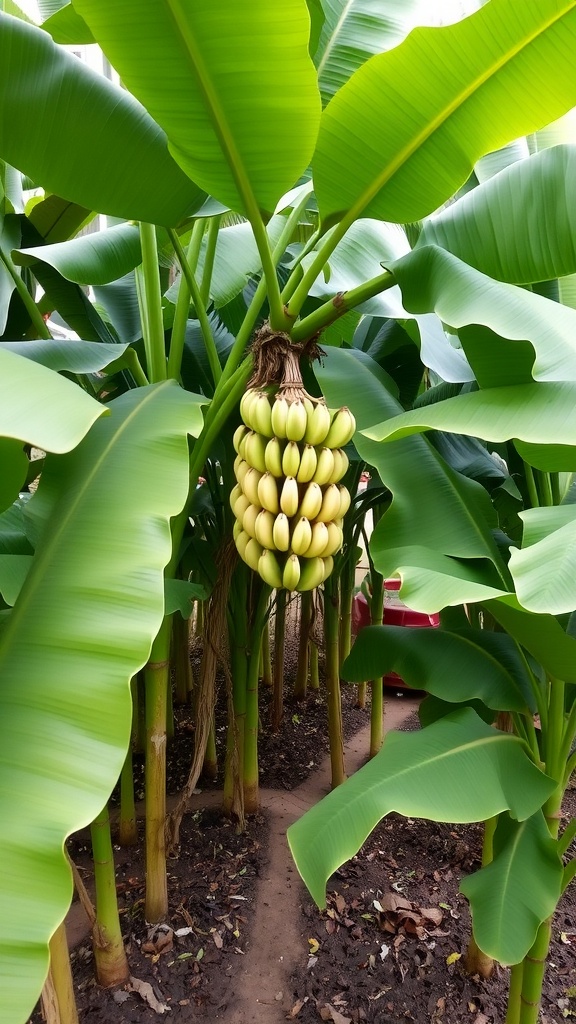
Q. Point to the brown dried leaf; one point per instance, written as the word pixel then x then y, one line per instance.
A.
pixel 340 903
pixel 432 914
pixel 218 940
pixel 298 1006
pixel 160 939
pixel 334 1015
pixel 146 992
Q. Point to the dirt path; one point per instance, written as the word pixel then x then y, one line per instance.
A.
pixel 261 993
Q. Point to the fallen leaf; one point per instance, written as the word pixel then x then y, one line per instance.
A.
pixel 384 950
pixel 298 1006
pixel 453 958
pixel 146 992
pixel 158 940
pixel 314 946
pixel 218 940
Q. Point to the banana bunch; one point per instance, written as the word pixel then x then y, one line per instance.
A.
pixel 288 502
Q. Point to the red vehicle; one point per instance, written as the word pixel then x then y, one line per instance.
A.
pixel 396 613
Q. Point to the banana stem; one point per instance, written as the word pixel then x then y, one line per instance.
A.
pixel 156 679
pixel 335 729
pixel 279 650
pixel 151 306
pixel 109 953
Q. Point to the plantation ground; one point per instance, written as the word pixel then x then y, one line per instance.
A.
pixel 256 949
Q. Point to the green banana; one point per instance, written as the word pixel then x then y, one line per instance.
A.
pixel 279 416
pixel 254 448
pixel 308 463
pixel 291 459
pixel 281 532
pixel 318 424
pixel 311 502
pixel 341 429
pixel 296 421
pixel 331 502
pixel 263 529
pixel 269 569
pixel 301 537
pixel 325 466
pixel 273 457
pixel 291 574
pixel 311 573
pixel 289 496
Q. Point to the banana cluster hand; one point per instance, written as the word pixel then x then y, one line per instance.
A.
pixel 288 502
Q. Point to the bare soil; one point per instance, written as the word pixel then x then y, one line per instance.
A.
pixel 243 942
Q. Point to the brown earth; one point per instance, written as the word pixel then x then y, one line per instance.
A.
pixel 254 947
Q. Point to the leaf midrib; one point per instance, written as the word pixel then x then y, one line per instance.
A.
pixel 415 144
pixel 215 111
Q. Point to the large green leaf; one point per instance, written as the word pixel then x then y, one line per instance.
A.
pixel 440 543
pixel 73 356
pixel 458 769
pixel 404 132
pixel 543 412
pixel 13 571
pixel 93 259
pixel 41 408
pixel 56 219
pixel 355 30
pixel 67 27
pixel 92 142
pixel 520 226
pixel 232 85
pixel 432 279
pixel 81 628
pixel 541 635
pixel 455 667
pixel 520 888
pixel 544 569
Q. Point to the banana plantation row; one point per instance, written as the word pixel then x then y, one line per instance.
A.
pixel 366 228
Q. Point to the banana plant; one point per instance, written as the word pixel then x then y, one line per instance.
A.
pixel 185 126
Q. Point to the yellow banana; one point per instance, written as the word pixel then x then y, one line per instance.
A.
pixel 308 463
pixel 345 501
pixel 239 433
pixel 240 505
pixel 241 542
pixel 241 470
pixel 263 528
pixel 330 504
pixel 252 553
pixel 311 502
pixel 273 457
pixel 249 519
pixel 301 537
pixel 236 529
pixel 254 448
pixel 311 573
pixel 341 429
pixel 325 466
pixel 234 494
pixel 279 415
pixel 341 463
pixel 318 425
pixel 296 421
pixel 268 493
pixel 281 532
pixel 328 565
pixel 291 573
pixel 334 540
pixel 291 459
pixel 289 496
pixel 269 569
pixel 248 398
pixel 261 415
pixel 320 538
pixel 250 485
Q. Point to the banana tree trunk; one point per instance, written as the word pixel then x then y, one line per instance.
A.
pixel 278 664
pixel 335 730
pixel 301 684
pixel 58 999
pixel 109 953
pixel 156 676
